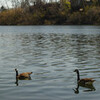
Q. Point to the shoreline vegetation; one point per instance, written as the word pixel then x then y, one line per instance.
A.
pixel 54 13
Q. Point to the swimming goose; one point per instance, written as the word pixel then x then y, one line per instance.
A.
pixel 84 80
pixel 25 75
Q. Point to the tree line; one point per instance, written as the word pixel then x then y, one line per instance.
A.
pixel 54 12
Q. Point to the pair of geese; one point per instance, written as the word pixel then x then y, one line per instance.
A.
pixel 80 81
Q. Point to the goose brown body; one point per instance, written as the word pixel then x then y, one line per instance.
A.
pixel 84 80
pixel 23 75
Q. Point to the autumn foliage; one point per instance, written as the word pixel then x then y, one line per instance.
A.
pixel 50 14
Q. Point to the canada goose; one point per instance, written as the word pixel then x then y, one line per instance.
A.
pixel 84 80
pixel 25 75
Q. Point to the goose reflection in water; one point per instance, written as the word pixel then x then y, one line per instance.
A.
pixel 88 88
pixel 17 83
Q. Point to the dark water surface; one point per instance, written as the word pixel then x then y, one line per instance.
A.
pixel 51 53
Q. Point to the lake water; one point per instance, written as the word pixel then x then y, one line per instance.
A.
pixel 52 53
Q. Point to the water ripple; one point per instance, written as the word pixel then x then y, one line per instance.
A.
pixel 52 55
